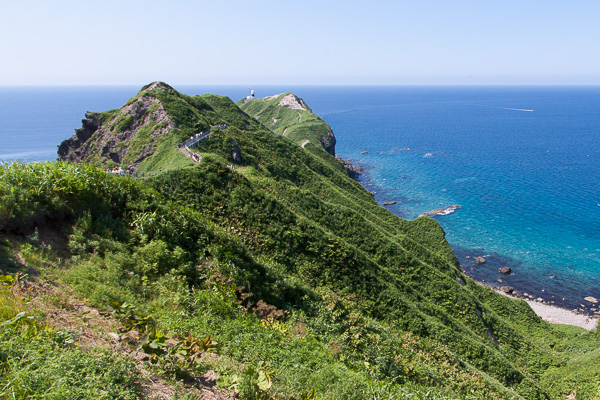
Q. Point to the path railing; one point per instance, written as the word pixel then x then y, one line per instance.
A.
pixel 200 136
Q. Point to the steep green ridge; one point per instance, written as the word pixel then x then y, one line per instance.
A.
pixel 288 264
pixel 289 116
pixel 143 135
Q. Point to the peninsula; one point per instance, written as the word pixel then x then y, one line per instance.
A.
pixel 257 268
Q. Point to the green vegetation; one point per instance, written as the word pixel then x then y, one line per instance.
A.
pixel 123 139
pixel 297 124
pixel 279 273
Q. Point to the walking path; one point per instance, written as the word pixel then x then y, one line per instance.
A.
pixel 185 146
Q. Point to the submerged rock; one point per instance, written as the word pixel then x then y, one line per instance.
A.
pixel 505 270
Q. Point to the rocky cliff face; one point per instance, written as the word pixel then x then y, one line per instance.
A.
pixel 112 135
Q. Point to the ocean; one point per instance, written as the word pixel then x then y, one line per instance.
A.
pixel 522 162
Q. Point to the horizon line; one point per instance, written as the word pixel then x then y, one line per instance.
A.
pixel 301 84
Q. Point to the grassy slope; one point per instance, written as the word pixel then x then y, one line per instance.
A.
pixel 191 114
pixel 369 299
pixel 296 124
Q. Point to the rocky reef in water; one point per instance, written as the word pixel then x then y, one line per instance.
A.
pixel 441 211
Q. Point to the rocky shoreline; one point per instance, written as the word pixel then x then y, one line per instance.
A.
pixel 583 312
pixel 491 271
pixel 552 313
pixel 353 171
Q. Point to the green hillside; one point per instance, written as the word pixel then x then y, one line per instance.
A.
pixel 288 115
pixel 143 135
pixel 264 264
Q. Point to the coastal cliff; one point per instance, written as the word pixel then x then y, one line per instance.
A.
pixel 260 259
pixel 113 136
pixel 288 115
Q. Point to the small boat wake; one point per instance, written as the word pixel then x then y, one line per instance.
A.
pixel 516 109
pixel 506 108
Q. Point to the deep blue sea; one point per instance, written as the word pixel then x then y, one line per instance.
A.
pixel 522 162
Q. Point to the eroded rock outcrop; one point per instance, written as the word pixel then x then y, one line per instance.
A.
pixel 236 153
pixel 112 134
pixel 293 102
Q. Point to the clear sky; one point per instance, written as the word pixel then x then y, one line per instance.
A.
pixel 299 42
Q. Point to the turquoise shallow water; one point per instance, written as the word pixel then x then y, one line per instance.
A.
pixel 527 181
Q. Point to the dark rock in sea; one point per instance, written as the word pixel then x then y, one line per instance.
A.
pixel 507 289
pixel 479 260
pixel 364 152
pixel 505 270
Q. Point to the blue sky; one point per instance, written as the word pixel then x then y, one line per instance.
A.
pixel 300 42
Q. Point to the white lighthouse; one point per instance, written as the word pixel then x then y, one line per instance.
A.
pixel 251 95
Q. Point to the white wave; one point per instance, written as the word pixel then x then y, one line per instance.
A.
pixel 516 109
